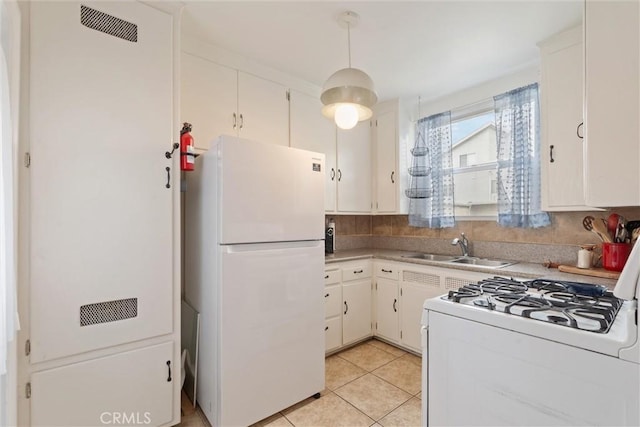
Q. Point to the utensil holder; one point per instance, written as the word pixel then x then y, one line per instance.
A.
pixel 615 255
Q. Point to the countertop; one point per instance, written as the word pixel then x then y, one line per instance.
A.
pixel 520 269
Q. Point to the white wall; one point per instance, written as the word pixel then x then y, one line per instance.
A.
pixel 476 94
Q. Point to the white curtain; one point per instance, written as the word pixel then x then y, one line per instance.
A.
pixel 518 141
pixel 431 191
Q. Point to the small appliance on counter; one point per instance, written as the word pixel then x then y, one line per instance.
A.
pixel 330 237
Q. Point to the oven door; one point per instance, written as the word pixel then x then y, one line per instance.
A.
pixel 483 375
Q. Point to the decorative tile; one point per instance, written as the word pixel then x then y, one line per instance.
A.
pixel 329 411
pixel 395 351
pixel 373 396
pixel 367 357
pixel 402 373
pixel 407 415
pixel 339 371
pixel 382 225
pixel 363 224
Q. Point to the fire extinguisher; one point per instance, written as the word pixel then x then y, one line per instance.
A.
pixel 187 153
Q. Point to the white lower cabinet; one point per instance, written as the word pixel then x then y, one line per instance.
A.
pixel 129 388
pixel 401 290
pixel 347 303
pixel 394 308
pixel 333 308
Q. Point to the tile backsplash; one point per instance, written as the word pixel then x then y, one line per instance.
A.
pixel 559 240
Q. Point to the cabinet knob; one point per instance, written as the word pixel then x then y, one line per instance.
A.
pixel 346 307
pixel 339 175
pixel 241 121
pixel 326 328
pixel 333 174
pixel 235 121
pixel 395 301
pixel 551 160
pixel 393 181
pixel 326 296
pixel 580 135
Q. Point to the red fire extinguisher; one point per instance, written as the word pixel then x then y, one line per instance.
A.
pixel 187 152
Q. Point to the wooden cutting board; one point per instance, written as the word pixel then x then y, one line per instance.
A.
pixel 595 272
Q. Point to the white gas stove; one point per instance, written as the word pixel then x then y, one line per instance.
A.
pixel 533 352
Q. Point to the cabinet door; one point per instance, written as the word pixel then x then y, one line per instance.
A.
pixel 385 173
pixel 412 298
pixel 130 388
pixel 387 306
pixel 332 300
pixel 356 318
pixel 333 334
pixel 612 83
pixel 263 110
pixel 310 130
pixel 562 106
pixel 208 99
pixel 354 168
pixel 101 237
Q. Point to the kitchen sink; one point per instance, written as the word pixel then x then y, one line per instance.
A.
pixel 482 262
pixel 468 260
pixel 432 257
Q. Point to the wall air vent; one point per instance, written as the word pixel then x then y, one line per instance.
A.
pixel 108 311
pixel 108 24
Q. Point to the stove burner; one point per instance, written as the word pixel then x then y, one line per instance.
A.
pixel 570 304
pixel 484 303
pixel 557 319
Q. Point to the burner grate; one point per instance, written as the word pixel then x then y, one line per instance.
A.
pixel 568 304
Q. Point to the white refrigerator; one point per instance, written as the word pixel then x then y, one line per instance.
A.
pixel 254 263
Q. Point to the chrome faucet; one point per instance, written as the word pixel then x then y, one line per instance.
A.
pixel 463 242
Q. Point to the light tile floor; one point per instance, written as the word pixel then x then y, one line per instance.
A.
pixel 371 384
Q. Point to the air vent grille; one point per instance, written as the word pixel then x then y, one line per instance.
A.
pixel 108 311
pixel 422 278
pixel 108 24
pixel 455 283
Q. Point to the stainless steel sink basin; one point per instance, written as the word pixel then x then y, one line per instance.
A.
pixel 432 257
pixel 482 262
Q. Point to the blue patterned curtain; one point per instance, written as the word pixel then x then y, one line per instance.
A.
pixel 431 191
pixel 518 140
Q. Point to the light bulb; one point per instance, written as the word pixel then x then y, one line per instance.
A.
pixel 346 116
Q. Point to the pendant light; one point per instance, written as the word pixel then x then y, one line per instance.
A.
pixel 348 94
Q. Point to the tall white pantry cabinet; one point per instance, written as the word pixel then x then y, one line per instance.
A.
pixel 101 321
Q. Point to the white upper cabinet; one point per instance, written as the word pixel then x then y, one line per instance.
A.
pixel 310 130
pixel 354 168
pixel 208 99
pixel 218 100
pixel 561 96
pixel 391 134
pixel 386 174
pixel 263 110
pixel 612 110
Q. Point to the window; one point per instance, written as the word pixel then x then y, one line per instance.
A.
pixel 474 152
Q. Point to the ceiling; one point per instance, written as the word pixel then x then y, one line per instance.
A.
pixel 426 48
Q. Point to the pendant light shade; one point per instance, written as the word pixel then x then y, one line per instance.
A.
pixel 348 94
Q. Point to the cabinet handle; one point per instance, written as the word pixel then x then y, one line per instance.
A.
pixel 326 296
pixel 357 271
pixel 339 175
pixel 551 154
pixel 346 307
pixel 168 169
pixel 326 328
pixel 333 174
pixel 235 121
pixel 392 178
pixel 386 271
pixel 394 305
pixel 578 130
pixel 241 121
pixel 169 367
pixel 326 277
